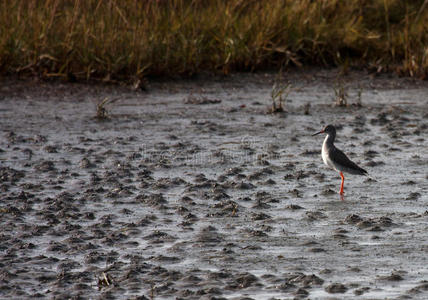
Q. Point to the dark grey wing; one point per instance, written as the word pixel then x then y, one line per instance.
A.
pixel 348 165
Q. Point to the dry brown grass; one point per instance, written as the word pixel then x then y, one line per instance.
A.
pixel 131 39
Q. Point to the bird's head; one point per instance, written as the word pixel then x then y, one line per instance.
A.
pixel 329 129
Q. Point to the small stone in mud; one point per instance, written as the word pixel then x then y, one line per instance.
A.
pixel 153 200
pixel 354 269
pixel 255 175
pixel 245 280
pixel 423 287
pixel 182 210
pixel 262 162
pixel 227 206
pixel 328 192
pixel 95 257
pixel 263 195
pixel 373 163
pixel 353 219
pixel 310 152
pixel 270 182
pixel 315 215
pixel 10 175
pixel 309 243
pixel 261 205
pixel 256 233
pixel 410 182
pixel 260 216
pixel 159 236
pixel 39 139
pixel 294 207
pixel 12 210
pixel 85 163
pixel 380 119
pixel 200 100
pixel 307 280
pixel 288 177
pixel 371 154
pixel 316 250
pixel 246 199
pixel 219 275
pixel 375 228
pixel 413 196
pixel 187 200
pixel 364 224
pixel 301 174
pixel 221 178
pixel 341 231
pixel 220 194
pixel 301 292
pixel 384 221
pixel 361 291
pixel 234 171
pixel 286 286
pixel 392 277
pixel 190 217
pixel 209 234
pixel 45 166
pixel 166 259
pixel 244 186
pixel 336 288
pixel 296 193
pixel 51 149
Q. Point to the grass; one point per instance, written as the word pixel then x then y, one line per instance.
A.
pixel 341 95
pixel 102 110
pixel 129 40
pixel 102 113
pixel 279 95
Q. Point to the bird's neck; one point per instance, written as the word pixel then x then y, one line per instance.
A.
pixel 329 139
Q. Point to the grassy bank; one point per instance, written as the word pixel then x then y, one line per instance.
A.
pixel 122 40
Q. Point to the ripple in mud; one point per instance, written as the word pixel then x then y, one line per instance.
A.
pixel 159 237
pixel 242 281
pixel 420 289
pixel 336 288
pixel 45 166
pixel 209 236
pixel 154 200
pixel 315 215
pixel 395 276
pixel 370 224
pixel 294 207
pixel 305 280
pixel 10 175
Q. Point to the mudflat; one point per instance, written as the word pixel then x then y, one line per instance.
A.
pixel 192 190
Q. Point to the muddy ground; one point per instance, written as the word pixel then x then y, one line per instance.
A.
pixel 190 190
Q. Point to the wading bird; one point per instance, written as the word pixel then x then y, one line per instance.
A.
pixel 335 158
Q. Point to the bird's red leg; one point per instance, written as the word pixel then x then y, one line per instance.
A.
pixel 341 185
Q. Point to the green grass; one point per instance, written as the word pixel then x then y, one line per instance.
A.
pixel 126 40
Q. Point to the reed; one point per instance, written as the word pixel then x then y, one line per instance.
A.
pixel 132 39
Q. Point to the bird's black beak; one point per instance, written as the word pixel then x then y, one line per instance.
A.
pixel 322 131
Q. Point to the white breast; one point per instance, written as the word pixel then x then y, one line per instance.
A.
pixel 324 153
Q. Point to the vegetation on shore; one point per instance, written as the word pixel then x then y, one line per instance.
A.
pixel 133 39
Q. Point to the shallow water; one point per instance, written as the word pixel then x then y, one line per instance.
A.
pixel 172 198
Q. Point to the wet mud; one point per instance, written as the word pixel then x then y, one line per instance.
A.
pixel 191 190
